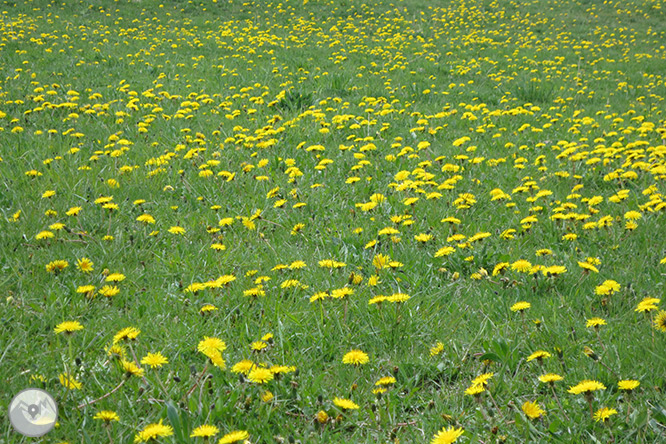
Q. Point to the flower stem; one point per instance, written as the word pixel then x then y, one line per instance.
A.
pixel 108 433
pixel 203 372
pixel 159 382
pixel 557 399
pixel 105 395
pixel 69 349
pixel 589 397
pixel 596 330
pixel 495 404
pixel 628 406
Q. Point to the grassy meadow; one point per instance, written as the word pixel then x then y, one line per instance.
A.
pixel 335 221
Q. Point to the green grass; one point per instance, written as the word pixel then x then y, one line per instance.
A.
pixel 137 101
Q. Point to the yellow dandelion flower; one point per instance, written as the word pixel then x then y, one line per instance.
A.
pixel 355 357
pixel 126 334
pixel 386 380
pixel 68 327
pixel 447 435
pixel 207 308
pixel 116 352
pixel 131 369
pixel 520 306
pixel 660 321
pixel 107 416
pixel 85 289
pixel 176 230
pixel 521 266
pixel 109 291
pixel 604 413
pixel 586 386
pixel 243 367
pixel 154 360
pixel 632 215
pixel 647 304
pixel 319 296
pixel 322 417
pixel 115 277
pixel 586 266
pixel 532 410
pixel 423 237
pixel 69 382
pixel 345 404
pixel 539 355
pixel 260 375
pixel 204 431
pixel 550 378
pixel 211 343
pixel 235 436
pixel 475 390
pixel 608 287
pixel 56 266
pixel 44 235
pixel 146 219
pixel 153 431
pixel 482 379
pixel 436 349
pixel 398 297
pixel 595 322
pixel 258 346
pixel 628 384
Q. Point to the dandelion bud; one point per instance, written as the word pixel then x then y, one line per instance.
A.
pixel 322 417
pixel 590 353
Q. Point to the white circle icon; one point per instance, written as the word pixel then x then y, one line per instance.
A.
pixel 33 412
